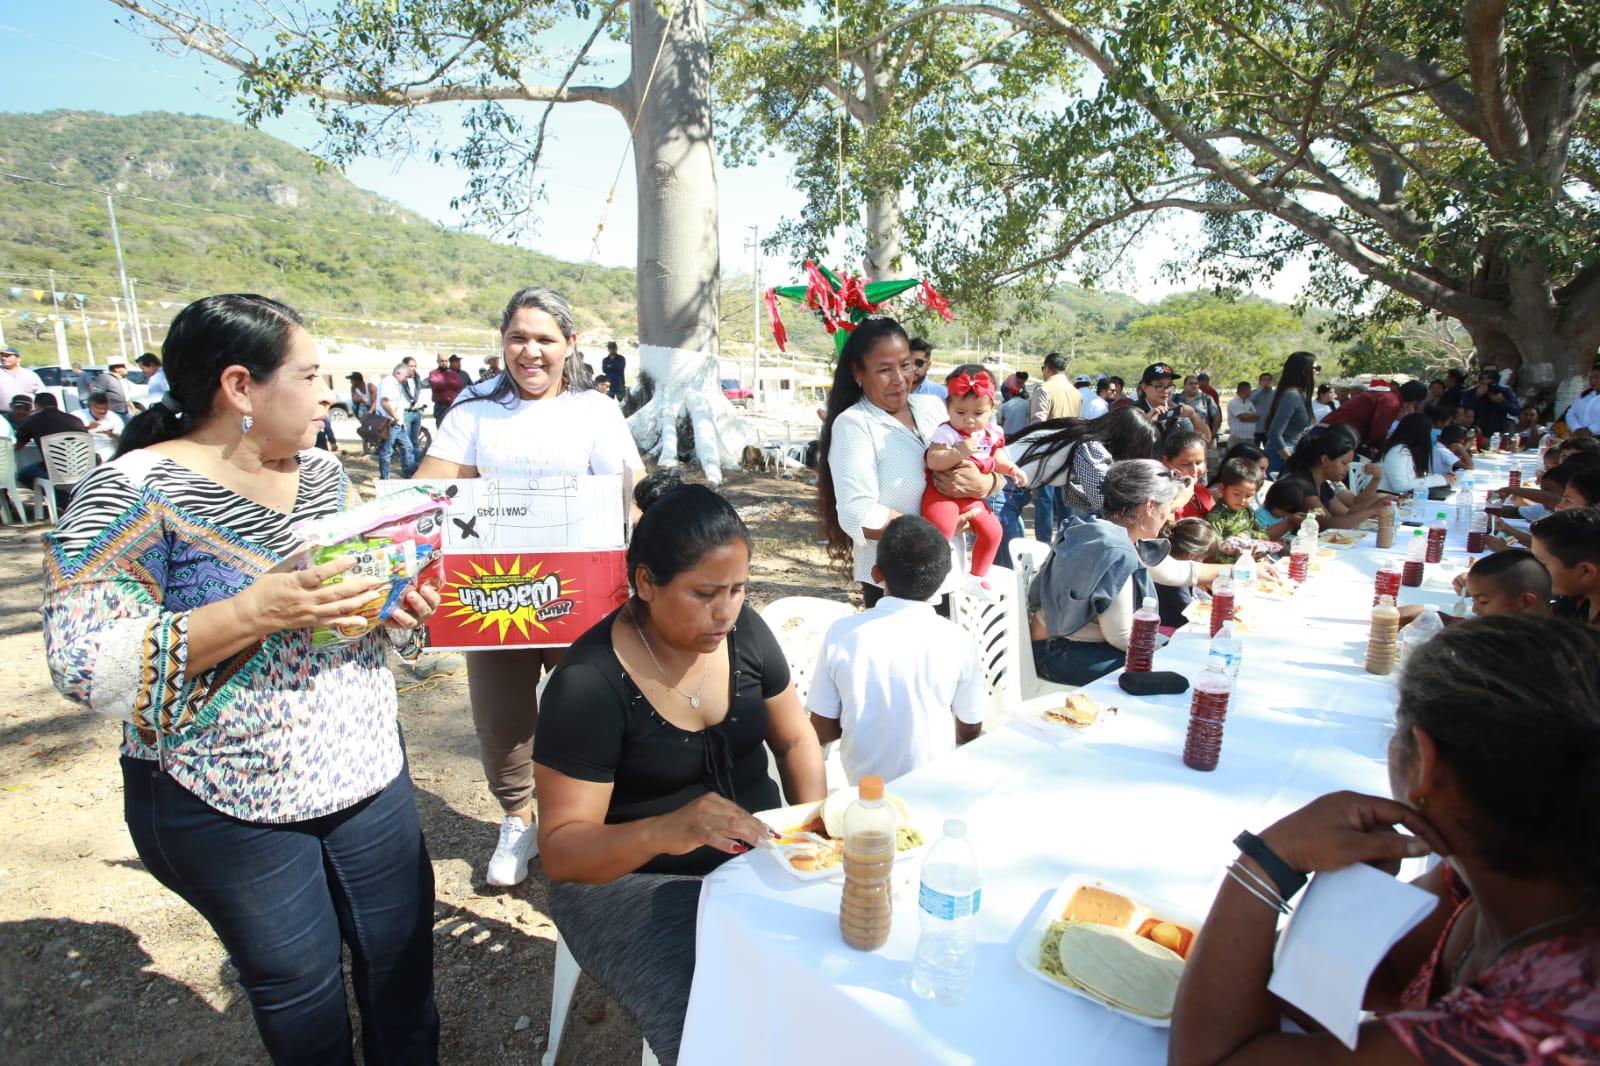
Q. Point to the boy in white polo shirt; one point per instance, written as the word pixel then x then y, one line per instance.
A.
pixel 898 685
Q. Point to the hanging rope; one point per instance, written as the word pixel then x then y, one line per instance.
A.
pixel 838 121
pixel 633 125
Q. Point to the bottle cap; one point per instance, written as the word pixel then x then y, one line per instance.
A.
pixel 870 787
pixel 1149 602
pixel 955 827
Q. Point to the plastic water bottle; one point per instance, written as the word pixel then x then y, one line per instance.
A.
pixel 1424 628
pixel 1416 558
pixel 1244 577
pixel 1142 642
pixel 1464 497
pixel 1309 530
pixel 1227 651
pixel 947 906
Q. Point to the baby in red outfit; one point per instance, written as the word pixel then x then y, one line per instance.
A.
pixel 969 437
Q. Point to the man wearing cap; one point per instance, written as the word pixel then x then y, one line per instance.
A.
pixel 612 368
pixel 16 379
pixel 114 384
pixel 19 409
pixel 1055 397
pixel 1196 397
pixel 491 368
pixel 1156 400
pixel 446 382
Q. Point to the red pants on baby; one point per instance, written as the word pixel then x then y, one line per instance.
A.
pixel 944 512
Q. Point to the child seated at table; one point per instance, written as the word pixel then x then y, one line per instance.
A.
pixel 1193 540
pixel 897 685
pixel 1233 516
pixel 1568 544
pixel 1284 507
pixel 1550 496
pixel 1502 582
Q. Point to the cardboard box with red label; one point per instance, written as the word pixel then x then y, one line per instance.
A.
pixel 528 562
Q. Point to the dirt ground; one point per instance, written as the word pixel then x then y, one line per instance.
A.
pixel 100 964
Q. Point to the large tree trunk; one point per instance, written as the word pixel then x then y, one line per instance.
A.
pixel 678 266
pixel 885 226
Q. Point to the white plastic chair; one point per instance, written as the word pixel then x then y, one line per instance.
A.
pixel 68 459
pixel 562 987
pixel 800 623
pixel 1027 559
pixel 8 484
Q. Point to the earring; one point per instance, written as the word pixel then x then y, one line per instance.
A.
pixel 245 423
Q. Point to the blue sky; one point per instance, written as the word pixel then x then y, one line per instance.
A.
pixel 72 54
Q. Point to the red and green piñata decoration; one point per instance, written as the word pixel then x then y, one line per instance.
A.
pixel 843 302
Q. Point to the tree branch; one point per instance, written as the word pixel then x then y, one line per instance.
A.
pixel 210 40
pixel 1485 29
pixel 1357 254
pixel 1139 207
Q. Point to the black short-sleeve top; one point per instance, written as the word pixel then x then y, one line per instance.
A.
pixel 595 725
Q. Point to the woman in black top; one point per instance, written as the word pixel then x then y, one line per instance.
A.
pixel 650 753
pixel 1322 461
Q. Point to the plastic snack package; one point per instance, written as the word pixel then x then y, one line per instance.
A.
pixel 398 536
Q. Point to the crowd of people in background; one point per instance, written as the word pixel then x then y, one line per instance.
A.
pixel 636 772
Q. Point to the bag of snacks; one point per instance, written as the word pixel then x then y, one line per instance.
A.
pixel 398 536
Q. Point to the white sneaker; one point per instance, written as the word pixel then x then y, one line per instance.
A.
pixel 518 843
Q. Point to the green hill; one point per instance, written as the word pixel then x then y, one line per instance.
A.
pixel 205 205
pixel 264 217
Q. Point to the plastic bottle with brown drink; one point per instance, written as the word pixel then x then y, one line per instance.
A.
pixel 865 908
pixel 1386 525
pixel 1383 639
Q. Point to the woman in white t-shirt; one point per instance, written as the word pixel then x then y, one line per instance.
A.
pixel 541 416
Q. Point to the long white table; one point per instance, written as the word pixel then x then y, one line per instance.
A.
pixel 775 982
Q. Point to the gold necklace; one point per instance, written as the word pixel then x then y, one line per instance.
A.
pixel 694 701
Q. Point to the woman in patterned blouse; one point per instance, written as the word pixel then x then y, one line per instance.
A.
pixel 1494 764
pixel 264 778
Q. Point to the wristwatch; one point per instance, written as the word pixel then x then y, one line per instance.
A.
pixel 1284 877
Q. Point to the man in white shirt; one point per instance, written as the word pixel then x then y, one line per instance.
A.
pixel 105 425
pixel 393 401
pixel 1085 389
pixel 1242 415
pixel 1585 410
pixel 155 379
pixel 16 379
pixel 897 685
pixel 1098 402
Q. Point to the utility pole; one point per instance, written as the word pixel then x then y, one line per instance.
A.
pixel 755 312
pixel 122 272
pixel 122 338
pixel 133 312
pixel 62 358
pixel 88 345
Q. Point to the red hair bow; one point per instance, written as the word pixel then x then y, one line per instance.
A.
pixel 980 385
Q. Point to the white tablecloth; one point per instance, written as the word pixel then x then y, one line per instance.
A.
pixel 775 983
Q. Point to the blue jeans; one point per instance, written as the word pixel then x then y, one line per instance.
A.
pixel 413 425
pixel 284 898
pixel 398 438
pixel 1075 662
pixel 1044 498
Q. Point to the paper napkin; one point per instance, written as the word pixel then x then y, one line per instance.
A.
pixel 1342 928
